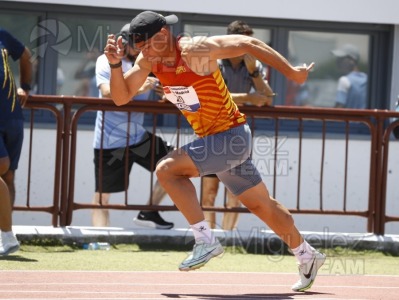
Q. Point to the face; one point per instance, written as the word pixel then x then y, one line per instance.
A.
pixel 345 65
pixel 142 46
pixel 154 46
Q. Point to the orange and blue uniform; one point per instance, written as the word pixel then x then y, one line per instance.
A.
pixel 204 100
pixel 224 144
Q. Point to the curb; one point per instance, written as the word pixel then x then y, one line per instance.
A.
pixel 258 240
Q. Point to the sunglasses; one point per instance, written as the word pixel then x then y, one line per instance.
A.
pixel 137 37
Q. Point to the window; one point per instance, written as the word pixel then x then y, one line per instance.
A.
pixel 23 27
pixel 321 87
pixel 62 41
pixel 205 30
pixel 77 44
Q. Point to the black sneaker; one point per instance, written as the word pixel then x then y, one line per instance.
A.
pixel 152 219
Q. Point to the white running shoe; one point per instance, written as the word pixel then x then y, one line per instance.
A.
pixel 308 272
pixel 202 253
pixel 8 243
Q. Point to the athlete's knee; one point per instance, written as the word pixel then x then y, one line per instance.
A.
pixel 101 198
pixel 162 170
pixel 232 201
pixel 165 169
pixel 208 198
pixel 210 187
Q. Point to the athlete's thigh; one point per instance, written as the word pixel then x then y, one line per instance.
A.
pixel 241 178
pixel 178 162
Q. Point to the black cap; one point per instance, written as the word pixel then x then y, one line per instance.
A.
pixel 146 24
pixel 124 33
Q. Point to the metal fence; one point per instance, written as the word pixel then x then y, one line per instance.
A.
pixel 312 132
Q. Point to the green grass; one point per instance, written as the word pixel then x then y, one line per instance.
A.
pixel 132 258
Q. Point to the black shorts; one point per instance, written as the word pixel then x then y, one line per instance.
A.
pixel 115 177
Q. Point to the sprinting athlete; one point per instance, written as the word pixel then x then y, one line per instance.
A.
pixel 188 70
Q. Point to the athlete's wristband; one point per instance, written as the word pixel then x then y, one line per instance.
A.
pixel 115 66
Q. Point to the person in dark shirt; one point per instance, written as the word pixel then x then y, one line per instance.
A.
pixel 12 99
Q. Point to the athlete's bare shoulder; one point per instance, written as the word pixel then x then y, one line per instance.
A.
pixel 197 53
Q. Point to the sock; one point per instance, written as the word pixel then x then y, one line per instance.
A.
pixel 304 252
pixel 202 232
pixel 7 233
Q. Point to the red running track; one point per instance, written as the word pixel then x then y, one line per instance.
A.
pixel 192 285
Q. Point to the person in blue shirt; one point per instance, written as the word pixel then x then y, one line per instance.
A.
pixel 352 85
pixel 12 99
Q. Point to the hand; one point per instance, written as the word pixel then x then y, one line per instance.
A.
pixel 250 63
pixel 159 90
pixel 260 99
pixel 149 84
pixel 23 96
pixel 114 49
pixel 301 73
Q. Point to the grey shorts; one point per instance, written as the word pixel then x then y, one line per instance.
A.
pixel 226 154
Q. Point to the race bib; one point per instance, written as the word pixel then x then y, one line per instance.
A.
pixel 185 98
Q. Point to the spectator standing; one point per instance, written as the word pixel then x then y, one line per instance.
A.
pixel 245 78
pixel 112 145
pixel 352 85
pixel 12 99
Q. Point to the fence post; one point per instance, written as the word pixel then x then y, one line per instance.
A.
pixel 66 136
pixel 378 228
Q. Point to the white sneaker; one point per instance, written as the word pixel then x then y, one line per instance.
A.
pixel 8 243
pixel 308 272
pixel 202 253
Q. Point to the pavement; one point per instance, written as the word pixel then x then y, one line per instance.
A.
pixel 257 240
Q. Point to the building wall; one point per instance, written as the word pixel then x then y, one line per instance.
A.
pixel 383 11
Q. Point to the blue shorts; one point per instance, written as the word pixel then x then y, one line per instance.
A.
pixel 226 154
pixel 11 138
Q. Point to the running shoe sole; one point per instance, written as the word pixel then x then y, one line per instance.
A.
pixel 318 261
pixel 10 250
pixel 218 251
pixel 151 224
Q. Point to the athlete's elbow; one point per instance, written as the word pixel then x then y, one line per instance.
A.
pixel 120 101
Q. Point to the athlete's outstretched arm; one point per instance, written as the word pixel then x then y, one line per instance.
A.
pixel 227 46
